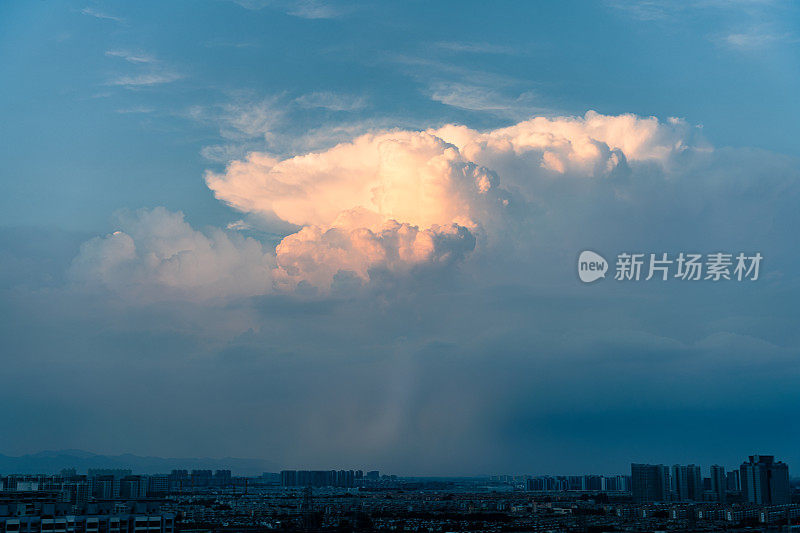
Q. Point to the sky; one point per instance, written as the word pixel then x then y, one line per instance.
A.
pixel 345 235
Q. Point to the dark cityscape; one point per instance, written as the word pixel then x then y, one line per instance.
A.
pixel 757 495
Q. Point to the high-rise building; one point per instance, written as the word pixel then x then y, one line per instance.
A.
pixel 765 481
pixel 719 483
pixel 318 478
pixel 679 483
pixel 650 483
pixel 158 485
pixel 133 487
pixel 686 483
pixel 179 480
pixel 617 483
pixel 201 478
pixel 115 472
pixel 594 483
pixel 576 483
pixel 732 479
pixel 222 478
pixel 105 487
pixel 288 478
pixel 695 483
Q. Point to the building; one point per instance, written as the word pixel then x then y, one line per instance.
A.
pixel 686 483
pixel 115 472
pixel 133 487
pixel 105 487
pixel 288 478
pixel 765 481
pixel 179 480
pixel 201 478
pixel 318 478
pixel 575 483
pixel 158 485
pixel 222 478
pixel 594 483
pixel 732 480
pixel 650 483
pixel 20 516
pixel 719 483
pixel 617 483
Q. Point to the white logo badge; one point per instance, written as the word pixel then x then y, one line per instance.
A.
pixel 591 266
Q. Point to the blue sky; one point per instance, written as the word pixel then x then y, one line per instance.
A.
pixel 138 260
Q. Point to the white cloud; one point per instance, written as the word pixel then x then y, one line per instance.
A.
pixel 136 110
pixel 744 25
pixel 239 225
pixel 590 145
pixel 351 200
pixel 646 10
pixel 431 177
pixel 755 38
pixel 248 121
pixel 480 98
pixel 148 70
pixel 224 153
pixel 313 9
pixel 411 177
pixel 99 14
pixel 319 256
pixel 145 79
pixel 332 101
pixel 307 9
pixel 156 254
pixel 241 120
pixel 131 57
pixel 394 202
pixel 477 48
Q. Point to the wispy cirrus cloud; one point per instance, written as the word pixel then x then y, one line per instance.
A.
pixel 486 99
pixel 332 101
pixel 477 48
pixel 744 24
pixel 100 14
pixel 314 9
pixel 755 38
pixel 220 43
pixel 248 122
pixel 242 119
pixel 455 85
pixel 131 57
pixel 142 110
pixel 307 9
pixel 645 10
pixel 149 70
pixel 146 79
pixel 239 225
pixel 245 123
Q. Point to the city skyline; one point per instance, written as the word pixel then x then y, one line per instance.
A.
pixel 120 500
pixel 58 462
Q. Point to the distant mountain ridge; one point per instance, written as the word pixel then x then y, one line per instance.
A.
pixel 52 461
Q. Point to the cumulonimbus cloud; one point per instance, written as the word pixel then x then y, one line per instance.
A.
pixel 411 177
pixel 316 256
pixel 388 200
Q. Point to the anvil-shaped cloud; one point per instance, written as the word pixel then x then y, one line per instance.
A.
pixel 393 201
